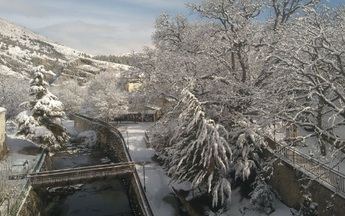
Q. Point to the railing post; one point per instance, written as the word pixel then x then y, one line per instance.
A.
pixel 8 206
pixel 127 139
pixel 144 177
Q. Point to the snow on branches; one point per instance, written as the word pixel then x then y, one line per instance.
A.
pixel 199 151
pixel 42 122
pixel 247 144
pixel 311 54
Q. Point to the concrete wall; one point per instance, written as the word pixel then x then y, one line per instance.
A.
pixel 112 142
pixel 287 182
pixel 109 139
pixel 3 148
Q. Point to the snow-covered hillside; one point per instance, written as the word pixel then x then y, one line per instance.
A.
pixel 22 50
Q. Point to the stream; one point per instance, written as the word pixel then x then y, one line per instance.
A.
pixel 106 197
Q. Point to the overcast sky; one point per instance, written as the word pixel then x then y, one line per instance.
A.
pixel 94 26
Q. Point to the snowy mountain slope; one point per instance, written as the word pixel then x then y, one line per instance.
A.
pixel 21 51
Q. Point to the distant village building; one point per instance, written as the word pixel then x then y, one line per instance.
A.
pixel 2 131
pixel 133 85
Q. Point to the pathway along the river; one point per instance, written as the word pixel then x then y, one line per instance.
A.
pixel 157 184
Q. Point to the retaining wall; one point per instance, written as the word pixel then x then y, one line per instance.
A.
pixel 111 140
pixel 288 180
pixel 3 148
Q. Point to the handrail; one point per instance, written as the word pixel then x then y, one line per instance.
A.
pixel 38 165
pixel 82 168
pixel 79 171
pixel 316 168
pixel 72 175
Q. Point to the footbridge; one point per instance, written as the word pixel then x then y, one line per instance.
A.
pixel 113 145
pixel 71 176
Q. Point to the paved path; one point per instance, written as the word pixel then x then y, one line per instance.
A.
pixel 158 191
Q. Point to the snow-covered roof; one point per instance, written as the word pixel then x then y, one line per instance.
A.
pixel 2 110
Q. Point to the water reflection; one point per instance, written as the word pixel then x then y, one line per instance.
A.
pixel 100 198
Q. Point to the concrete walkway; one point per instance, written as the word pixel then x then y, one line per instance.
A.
pixel 158 190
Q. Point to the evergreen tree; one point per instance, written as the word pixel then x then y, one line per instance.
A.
pixel 199 151
pixel 246 146
pixel 42 122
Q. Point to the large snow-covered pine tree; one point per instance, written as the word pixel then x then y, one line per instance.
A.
pixel 42 122
pixel 199 151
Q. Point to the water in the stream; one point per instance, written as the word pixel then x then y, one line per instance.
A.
pixel 106 197
pixel 100 198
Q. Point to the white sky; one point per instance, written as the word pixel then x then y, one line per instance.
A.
pixel 92 26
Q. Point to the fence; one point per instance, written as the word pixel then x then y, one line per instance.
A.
pixel 320 171
pixel 23 192
pixel 67 176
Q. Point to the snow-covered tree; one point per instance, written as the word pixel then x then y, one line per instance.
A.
pixel 42 123
pixel 246 147
pixel 13 92
pixel 106 99
pixel 199 151
pixel 284 10
pixel 262 197
pixel 71 94
pixel 311 60
pixel 246 75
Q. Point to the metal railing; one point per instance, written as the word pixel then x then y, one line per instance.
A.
pixel 24 190
pixel 78 174
pixel 320 171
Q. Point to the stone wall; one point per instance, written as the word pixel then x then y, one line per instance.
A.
pixel 287 181
pixel 3 148
pixel 109 138
pixel 112 142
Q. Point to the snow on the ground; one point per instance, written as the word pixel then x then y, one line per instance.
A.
pixel 4 70
pixel 19 151
pixel 158 190
pixel 241 207
pixel 158 185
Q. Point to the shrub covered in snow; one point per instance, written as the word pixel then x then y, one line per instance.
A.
pixel 262 197
pixel 308 207
pixel 42 122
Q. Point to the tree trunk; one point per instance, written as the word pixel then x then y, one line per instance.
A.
pixel 319 125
